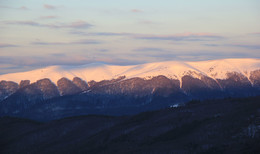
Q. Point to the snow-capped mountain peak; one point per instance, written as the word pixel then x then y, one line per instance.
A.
pixel 216 69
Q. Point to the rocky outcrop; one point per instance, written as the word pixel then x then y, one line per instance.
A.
pixel 47 88
pixel 255 78
pixel 7 88
pixel 38 91
pixel 236 84
pixel 24 83
pixel 67 87
pixel 80 83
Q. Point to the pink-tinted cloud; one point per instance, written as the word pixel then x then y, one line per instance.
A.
pixel 23 8
pixel 49 7
pixel 79 24
pixel 136 11
pixel 48 17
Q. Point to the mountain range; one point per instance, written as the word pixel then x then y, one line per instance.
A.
pixel 61 91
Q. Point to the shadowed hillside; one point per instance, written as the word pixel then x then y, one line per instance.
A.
pixel 217 126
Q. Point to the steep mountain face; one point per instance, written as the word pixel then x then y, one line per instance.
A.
pixel 138 86
pixel 80 83
pixel 47 88
pixel 29 95
pixel 255 78
pixel 237 84
pixel 204 88
pixel 130 89
pixel 7 88
pixel 24 83
pixel 67 87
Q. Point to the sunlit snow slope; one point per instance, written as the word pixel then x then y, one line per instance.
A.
pixel 216 69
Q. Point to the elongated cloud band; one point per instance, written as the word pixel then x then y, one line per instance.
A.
pixel 82 42
pixel 3 45
pixel 77 24
pixel 173 37
pixel 181 37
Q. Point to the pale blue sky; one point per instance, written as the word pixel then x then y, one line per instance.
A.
pixel 35 33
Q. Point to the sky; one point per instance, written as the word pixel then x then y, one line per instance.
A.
pixel 40 33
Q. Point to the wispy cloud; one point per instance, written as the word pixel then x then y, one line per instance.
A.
pixel 3 45
pixel 136 11
pixel 174 37
pixel 58 54
pixel 254 34
pixel 16 8
pixel 49 7
pixel 147 49
pixel 82 42
pixel 181 37
pixel 48 17
pixel 146 22
pixel 103 50
pixel 100 33
pixel 212 45
pixel 23 8
pixel 77 24
pixel 48 60
pixel 246 46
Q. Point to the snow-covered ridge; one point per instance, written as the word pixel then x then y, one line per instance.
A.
pixel 216 69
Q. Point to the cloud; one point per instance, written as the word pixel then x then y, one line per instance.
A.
pixel 3 45
pixel 77 24
pixel 23 8
pixel 255 34
pixel 212 45
pixel 19 8
pixel 58 54
pixel 49 7
pixel 100 33
pixel 147 22
pixel 174 37
pixel 103 50
pixel 82 42
pixel 136 11
pixel 48 60
pixel 246 46
pixel 181 37
pixel 253 47
pixel 145 49
pixel 48 17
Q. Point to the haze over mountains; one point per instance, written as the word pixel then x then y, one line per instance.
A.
pixel 63 91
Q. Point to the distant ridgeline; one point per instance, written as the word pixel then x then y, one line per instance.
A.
pixel 61 91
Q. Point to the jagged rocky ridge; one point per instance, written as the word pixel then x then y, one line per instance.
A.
pixel 134 95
